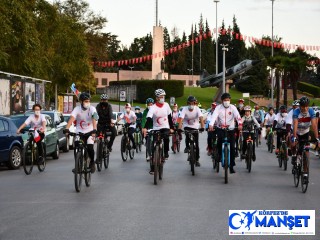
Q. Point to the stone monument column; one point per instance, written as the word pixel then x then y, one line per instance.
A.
pixel 157 47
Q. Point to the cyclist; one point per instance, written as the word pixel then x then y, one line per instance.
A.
pixel 248 122
pixel 175 120
pixel 105 124
pixel 212 135
pixel 303 118
pixel 139 119
pixel 37 121
pixel 226 115
pixel 86 117
pixel 280 124
pixel 149 103
pixel 268 121
pixel 295 105
pixel 241 107
pixel 259 116
pixel 190 117
pixel 160 115
pixel 129 118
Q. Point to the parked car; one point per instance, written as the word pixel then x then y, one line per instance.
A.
pixel 11 144
pixel 120 124
pixel 72 129
pixel 51 140
pixel 59 124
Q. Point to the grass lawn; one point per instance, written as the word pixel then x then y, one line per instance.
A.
pixel 204 96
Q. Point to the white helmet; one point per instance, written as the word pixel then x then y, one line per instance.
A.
pixel 128 105
pixel 247 108
pixel 295 103
pixel 159 92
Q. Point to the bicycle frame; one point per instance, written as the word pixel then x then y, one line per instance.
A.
pixel 225 144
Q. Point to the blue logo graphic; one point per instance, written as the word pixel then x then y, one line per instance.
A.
pixel 246 215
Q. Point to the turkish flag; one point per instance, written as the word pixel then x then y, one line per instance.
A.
pixel 36 136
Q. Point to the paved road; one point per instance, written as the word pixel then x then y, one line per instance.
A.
pixel 123 203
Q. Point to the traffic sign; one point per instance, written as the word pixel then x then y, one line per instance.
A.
pixel 122 95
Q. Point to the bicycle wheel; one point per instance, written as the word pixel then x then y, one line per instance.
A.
pixel 296 174
pixel 285 157
pixel 160 164
pixel 156 160
pixel 99 154
pixel 216 158
pixel 280 157
pixel 42 166
pixel 192 159
pixel 240 144
pixel 78 171
pixel 304 179
pixel 131 151
pixel 87 170
pixel 257 138
pixel 28 158
pixel 271 144
pixel 106 159
pixel 178 142
pixel 174 143
pixel 124 149
pixel 226 164
pixel 249 156
pixel 268 143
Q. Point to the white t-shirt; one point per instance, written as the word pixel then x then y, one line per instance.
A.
pixel 129 118
pixel 269 119
pixel 175 116
pixel 159 116
pixel 289 118
pixel 281 121
pixel 35 123
pixel 84 118
pixel 191 118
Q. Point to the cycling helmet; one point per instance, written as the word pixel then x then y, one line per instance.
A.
pixel 241 100
pixel 191 99
pixel 149 100
pixel 247 108
pixel 128 105
pixel 225 95
pixel 104 96
pixel 175 105
pixel 283 109
pixel 84 96
pixel 257 107
pixel 271 108
pixel 137 108
pixel 214 104
pixel 159 92
pixel 304 101
pixel 295 103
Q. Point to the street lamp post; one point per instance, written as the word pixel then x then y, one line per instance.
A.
pixel 216 1
pixel 131 95
pixel 272 40
pixel 190 70
pixel 94 70
pixel 224 49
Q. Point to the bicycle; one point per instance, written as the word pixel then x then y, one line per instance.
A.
pixel 270 140
pixel 283 151
pixel 157 159
pixel 257 136
pixel 192 158
pixel 225 152
pixel 31 154
pixel 175 141
pixel 126 145
pixel 250 150
pixel 103 152
pixel 215 153
pixel 82 165
pixel 137 139
pixel 301 163
pixel 240 143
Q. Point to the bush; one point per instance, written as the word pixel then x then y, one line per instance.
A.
pixel 309 88
pixel 146 88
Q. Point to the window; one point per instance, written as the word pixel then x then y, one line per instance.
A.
pixel 104 81
pixel 4 126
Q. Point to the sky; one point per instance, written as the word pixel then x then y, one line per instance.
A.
pixel 295 21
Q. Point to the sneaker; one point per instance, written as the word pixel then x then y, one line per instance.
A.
pixel 172 148
pixel 197 163
pixel 92 167
pixel 237 154
pixel 305 179
pixel 151 172
pixel 40 160
pixel 134 147
pixel 253 157
pixel 148 159
pixel 185 150
pixel 110 149
pixel 166 156
pixel 74 170
pixel 232 170
pixel 317 153
pixel 209 153
pixel 259 142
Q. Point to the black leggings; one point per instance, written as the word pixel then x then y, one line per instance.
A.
pixel 196 140
pixel 39 144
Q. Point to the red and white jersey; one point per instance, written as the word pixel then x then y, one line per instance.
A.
pixel 175 116
pixel 269 119
pixel 225 117
pixel 129 118
pixel 84 118
pixel 159 114
pixel 191 118
pixel 35 124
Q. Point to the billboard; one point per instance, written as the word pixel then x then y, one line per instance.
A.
pixel 40 94
pixel 4 97
pixel 17 97
pixel 30 95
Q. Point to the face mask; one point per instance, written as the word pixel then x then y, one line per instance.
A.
pixel 137 111
pixel 37 113
pixel 240 105
pixel 284 114
pixel 86 105
pixel 175 109
pixel 190 107
pixel 161 100
pixel 149 107
pixel 127 110
pixel 226 104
